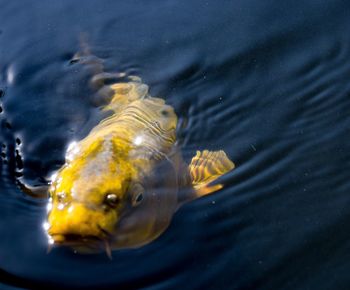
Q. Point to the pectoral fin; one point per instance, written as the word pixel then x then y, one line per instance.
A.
pixel 206 167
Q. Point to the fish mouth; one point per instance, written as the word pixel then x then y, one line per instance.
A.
pixel 75 239
pixel 82 243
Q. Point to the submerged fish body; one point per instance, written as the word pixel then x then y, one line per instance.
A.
pixel 119 186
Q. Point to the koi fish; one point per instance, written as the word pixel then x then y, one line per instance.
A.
pixel 121 185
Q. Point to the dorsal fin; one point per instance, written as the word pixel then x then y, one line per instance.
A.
pixel 125 93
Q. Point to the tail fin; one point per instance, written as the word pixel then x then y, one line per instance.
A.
pixel 117 89
pixel 206 167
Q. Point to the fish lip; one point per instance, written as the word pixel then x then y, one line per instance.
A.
pixel 82 244
pixel 76 240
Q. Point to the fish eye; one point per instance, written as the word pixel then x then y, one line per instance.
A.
pixel 112 199
pixel 137 194
pixel 61 196
pixel 138 199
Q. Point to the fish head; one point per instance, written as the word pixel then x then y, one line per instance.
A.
pixel 86 200
pixel 106 200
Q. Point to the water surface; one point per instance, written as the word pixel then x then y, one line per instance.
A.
pixel 266 81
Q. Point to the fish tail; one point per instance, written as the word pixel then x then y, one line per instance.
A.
pixel 117 89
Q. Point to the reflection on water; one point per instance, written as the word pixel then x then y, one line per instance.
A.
pixel 266 82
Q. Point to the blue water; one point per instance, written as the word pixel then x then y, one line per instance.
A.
pixel 266 81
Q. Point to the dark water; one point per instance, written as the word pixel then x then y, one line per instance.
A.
pixel 267 81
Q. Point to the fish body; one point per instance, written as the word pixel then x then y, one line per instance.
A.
pixel 119 187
